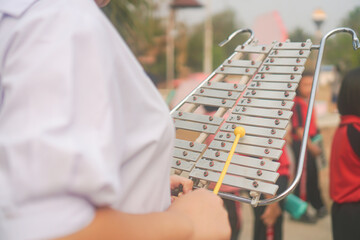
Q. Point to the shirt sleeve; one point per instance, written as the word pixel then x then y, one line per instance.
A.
pixel 56 126
pixel 353 133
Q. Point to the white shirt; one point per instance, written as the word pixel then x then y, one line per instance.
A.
pixel 81 125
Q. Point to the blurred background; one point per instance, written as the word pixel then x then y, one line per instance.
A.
pixel 176 41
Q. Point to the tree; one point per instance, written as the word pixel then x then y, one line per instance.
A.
pixel 299 35
pixel 144 32
pixel 339 49
pixel 223 25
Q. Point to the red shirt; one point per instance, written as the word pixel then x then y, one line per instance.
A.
pixel 284 163
pixel 299 117
pixel 345 161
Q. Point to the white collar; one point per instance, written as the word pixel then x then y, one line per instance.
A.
pixel 15 8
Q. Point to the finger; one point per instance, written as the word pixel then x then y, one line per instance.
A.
pixel 177 180
pixel 187 185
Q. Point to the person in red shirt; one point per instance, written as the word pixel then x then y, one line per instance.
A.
pixel 268 219
pixel 345 162
pixel 308 188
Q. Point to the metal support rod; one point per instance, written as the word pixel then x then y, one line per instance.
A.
pixel 356 45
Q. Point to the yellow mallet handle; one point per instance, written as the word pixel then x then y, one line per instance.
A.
pixel 239 132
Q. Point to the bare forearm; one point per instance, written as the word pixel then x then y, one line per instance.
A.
pixel 111 224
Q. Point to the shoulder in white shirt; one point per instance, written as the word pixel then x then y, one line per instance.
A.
pixel 81 125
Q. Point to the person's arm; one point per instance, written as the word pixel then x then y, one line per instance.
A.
pixel 314 149
pixel 271 213
pixel 197 215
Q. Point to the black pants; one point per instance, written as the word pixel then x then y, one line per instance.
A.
pixel 233 218
pixel 345 221
pixel 259 227
pixel 313 195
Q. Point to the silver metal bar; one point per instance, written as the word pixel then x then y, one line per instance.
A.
pixel 225 86
pixel 215 93
pixel 293 45
pixel 257 121
pixel 288 78
pixel 242 63
pixel 237 170
pixel 251 38
pixel 194 126
pixel 251 140
pixel 273 86
pixel 241 160
pixel 247 150
pixel 236 71
pixel 291 188
pixel 235 181
pixel 208 101
pixel 182 165
pixel 256 131
pixel 263 112
pixel 198 118
pixel 186 155
pixel 192 146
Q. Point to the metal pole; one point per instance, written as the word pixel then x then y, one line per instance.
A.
pixel 170 50
pixel 208 40
pixel 356 45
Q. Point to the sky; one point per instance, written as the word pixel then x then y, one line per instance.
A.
pixel 293 13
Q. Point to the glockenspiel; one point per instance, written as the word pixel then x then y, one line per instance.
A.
pixel 254 88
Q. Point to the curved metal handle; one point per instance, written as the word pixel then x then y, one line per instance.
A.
pixel 213 73
pixel 356 45
pixel 231 36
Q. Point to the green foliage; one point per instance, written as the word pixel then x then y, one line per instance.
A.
pixel 143 32
pixel 338 50
pixel 299 35
pixel 223 25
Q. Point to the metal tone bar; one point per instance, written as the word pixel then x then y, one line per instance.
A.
pixel 286 105
pixel 235 181
pixel 290 53
pixel 293 45
pixel 186 154
pixel 242 63
pixel 271 95
pixel 197 127
pixel 247 150
pixel 192 146
pixel 256 131
pixel 207 92
pixel 182 165
pixel 215 102
pixel 288 78
pixel 263 112
pixel 285 61
pixel 236 71
pixel 258 121
pixel 225 86
pixel 297 70
pixel 252 173
pixel 242 160
pixel 260 49
pixel 251 140
pixel 273 86
pixel 296 180
pixel 198 118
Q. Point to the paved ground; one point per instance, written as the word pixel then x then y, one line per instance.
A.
pixel 292 230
